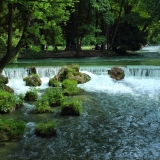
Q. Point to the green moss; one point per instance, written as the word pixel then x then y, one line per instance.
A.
pixel 31 95
pixel 33 80
pixel 70 87
pixel 55 96
pixel 42 105
pixel 71 107
pixel 3 79
pixel 46 129
pixel 9 101
pixel 54 82
pixel 11 129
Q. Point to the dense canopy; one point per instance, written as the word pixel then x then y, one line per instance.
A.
pixel 117 24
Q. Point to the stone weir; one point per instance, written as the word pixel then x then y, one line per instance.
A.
pixel 130 71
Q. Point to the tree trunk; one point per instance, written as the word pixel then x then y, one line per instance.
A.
pixel 11 53
pixel 118 20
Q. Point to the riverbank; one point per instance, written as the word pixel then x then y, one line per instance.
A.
pixel 71 54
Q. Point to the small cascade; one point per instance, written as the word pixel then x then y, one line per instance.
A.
pixel 48 72
pixel 18 73
pixel 143 72
pixel 102 70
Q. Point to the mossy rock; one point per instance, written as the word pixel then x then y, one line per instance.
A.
pixel 31 96
pixel 70 87
pixel 71 107
pixel 53 82
pixel 55 96
pixel 31 70
pixel 116 73
pixel 42 105
pixel 72 72
pixel 7 102
pixel 33 80
pixel 11 130
pixel 46 129
pixel 6 88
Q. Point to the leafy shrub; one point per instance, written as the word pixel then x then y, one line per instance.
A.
pixel 3 79
pixel 42 105
pixel 34 52
pixel 46 129
pixel 71 107
pixel 55 96
pixel 70 87
pixel 11 129
pixel 9 101
pixel 31 95
pixel 54 82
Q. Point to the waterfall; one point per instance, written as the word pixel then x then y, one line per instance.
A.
pixel 143 72
pixel 130 71
pixel 17 73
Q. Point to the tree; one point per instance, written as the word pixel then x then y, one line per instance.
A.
pixel 30 18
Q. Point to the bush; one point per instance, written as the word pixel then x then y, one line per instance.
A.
pixel 11 129
pixel 46 129
pixel 54 82
pixel 34 52
pixel 31 95
pixel 71 107
pixel 55 96
pixel 42 105
pixel 3 79
pixel 70 87
pixel 9 101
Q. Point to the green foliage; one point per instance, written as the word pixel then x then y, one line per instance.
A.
pixel 33 80
pixel 46 129
pixel 9 101
pixel 32 94
pixel 55 96
pixel 34 52
pixel 70 87
pixel 42 105
pixel 54 82
pixel 12 129
pixel 71 107
pixel 3 79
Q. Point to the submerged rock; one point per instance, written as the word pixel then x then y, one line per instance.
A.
pixel 116 73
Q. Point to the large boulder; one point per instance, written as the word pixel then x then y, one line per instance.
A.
pixel 31 70
pixel 116 73
pixel 72 72
pixel 3 81
pixel 33 80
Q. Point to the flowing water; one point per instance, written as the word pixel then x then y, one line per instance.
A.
pixel 120 119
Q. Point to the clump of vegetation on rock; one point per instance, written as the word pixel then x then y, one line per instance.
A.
pixel 11 129
pixel 55 96
pixel 70 87
pixel 46 129
pixel 31 95
pixel 3 82
pixel 33 80
pixel 71 107
pixel 72 72
pixel 53 82
pixel 9 102
pixel 42 105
